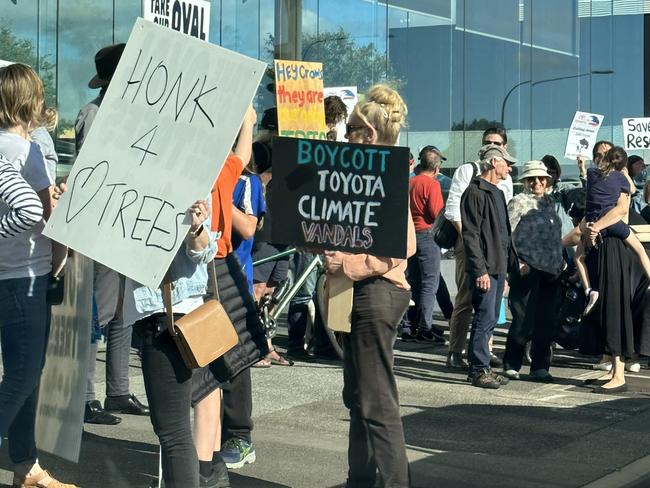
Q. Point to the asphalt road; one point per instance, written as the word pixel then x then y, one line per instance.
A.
pixel 524 435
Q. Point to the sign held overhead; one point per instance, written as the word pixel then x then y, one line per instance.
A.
pixel 158 143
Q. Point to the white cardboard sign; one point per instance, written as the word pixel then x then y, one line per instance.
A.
pixel 158 143
pixel 583 134
pixel 191 17
pixel 636 133
pixel 350 98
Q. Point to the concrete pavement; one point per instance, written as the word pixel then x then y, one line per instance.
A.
pixel 524 435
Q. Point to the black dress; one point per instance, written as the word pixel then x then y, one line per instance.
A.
pixel 621 322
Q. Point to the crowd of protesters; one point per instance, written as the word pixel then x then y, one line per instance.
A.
pixel 534 243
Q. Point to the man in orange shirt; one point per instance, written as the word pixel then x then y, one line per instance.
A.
pixel 425 197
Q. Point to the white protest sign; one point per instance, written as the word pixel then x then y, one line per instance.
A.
pixel 636 133
pixel 160 138
pixel 190 17
pixel 582 135
pixel 350 98
pixel 60 411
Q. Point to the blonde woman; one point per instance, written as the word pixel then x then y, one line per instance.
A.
pixel 25 267
pixel 381 296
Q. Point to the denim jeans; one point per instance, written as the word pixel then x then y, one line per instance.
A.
pixel 369 387
pixel 428 260
pixel 24 329
pixel 486 311
pixel 168 383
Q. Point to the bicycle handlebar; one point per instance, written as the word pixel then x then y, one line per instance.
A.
pixel 275 257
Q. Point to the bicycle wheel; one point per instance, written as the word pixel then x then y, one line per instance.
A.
pixel 336 338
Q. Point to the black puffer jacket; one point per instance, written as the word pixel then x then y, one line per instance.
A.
pixel 242 310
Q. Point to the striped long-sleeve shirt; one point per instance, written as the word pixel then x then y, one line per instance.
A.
pixel 25 208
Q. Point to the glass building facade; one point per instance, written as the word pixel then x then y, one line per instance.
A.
pixel 461 65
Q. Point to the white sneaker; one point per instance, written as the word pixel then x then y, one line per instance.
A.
pixel 511 373
pixel 632 367
pixel 603 366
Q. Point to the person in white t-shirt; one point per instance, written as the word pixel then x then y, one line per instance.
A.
pixel 25 268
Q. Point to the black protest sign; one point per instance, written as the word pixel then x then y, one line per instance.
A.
pixel 337 196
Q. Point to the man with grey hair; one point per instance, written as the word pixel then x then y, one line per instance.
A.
pixel 486 239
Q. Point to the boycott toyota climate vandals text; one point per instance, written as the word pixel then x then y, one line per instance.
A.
pixel 342 222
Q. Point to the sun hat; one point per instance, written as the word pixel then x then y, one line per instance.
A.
pixel 106 61
pixel 532 169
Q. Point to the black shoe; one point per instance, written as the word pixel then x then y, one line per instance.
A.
pixel 95 414
pixel 128 404
pixel 407 336
pixel 219 477
pixel 299 354
pixel 495 361
pixel 610 391
pixel 485 379
pixel 429 336
pixel 456 362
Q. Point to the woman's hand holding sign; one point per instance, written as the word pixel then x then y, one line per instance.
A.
pixel 199 213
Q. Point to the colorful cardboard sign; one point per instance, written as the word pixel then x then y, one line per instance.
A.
pixel 299 98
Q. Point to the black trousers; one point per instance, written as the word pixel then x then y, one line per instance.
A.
pixel 369 391
pixel 237 408
pixel 534 303
pixel 168 383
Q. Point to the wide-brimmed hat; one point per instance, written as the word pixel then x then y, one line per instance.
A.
pixel 493 150
pixel 106 61
pixel 532 169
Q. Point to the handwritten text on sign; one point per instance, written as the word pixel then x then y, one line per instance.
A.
pixel 348 197
pixel 299 95
pixel 190 17
pixel 162 133
pixel 636 132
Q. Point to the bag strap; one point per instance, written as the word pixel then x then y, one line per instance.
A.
pixel 167 300
pixel 213 286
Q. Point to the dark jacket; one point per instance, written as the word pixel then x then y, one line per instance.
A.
pixel 243 313
pixel 484 252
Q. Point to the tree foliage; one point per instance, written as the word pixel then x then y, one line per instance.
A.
pixel 345 62
pixel 476 124
pixel 13 48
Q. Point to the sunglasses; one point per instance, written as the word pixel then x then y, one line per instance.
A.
pixel 541 179
pixel 349 128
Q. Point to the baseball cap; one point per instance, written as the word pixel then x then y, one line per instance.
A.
pixel 493 150
pixel 433 149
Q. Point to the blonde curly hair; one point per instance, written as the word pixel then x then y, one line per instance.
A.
pixel 385 110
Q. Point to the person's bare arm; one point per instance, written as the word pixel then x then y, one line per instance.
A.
pixel 611 217
pixel 244 147
pixel 244 224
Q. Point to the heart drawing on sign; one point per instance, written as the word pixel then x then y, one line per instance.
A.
pixel 85 187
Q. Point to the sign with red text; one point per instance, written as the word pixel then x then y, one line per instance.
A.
pixel 191 17
pixel 636 133
pixel 299 97
pixel 337 196
pixel 158 143
pixel 583 134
